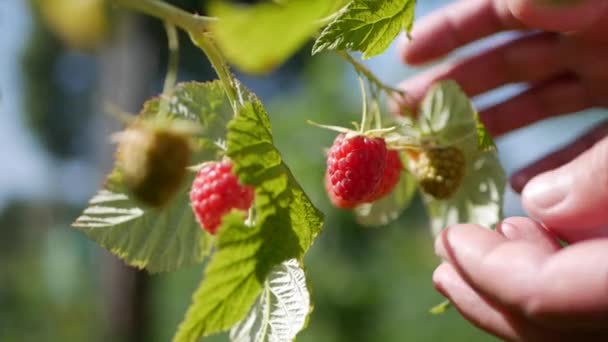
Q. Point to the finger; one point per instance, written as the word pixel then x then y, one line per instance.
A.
pixel 556 97
pixel 480 311
pixel 560 157
pixel 500 269
pixel 572 201
pixel 563 290
pixel 523 228
pixel 530 59
pixel 573 288
pixel 454 26
pixel 558 15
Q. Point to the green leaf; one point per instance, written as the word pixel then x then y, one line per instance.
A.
pixel 484 139
pixel 388 208
pixel 441 308
pixel 369 26
pixel 280 311
pixel 258 38
pixel 447 116
pixel 285 223
pixel 448 119
pixel 164 239
pixel 479 199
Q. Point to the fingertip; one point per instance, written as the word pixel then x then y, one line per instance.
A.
pixel 407 50
pixel 440 248
pixel 558 16
pixel 442 278
pixel 524 228
pixel 518 181
pixel 571 200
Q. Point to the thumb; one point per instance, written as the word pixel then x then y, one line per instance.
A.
pixel 572 201
pixel 558 15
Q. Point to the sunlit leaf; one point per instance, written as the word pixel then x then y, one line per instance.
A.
pixel 281 310
pixel 169 238
pixel 479 199
pixel 258 38
pixel 448 119
pixel 368 26
pixel 484 139
pixel 284 226
pixel 388 208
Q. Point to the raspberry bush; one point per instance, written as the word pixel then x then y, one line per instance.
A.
pixel 258 221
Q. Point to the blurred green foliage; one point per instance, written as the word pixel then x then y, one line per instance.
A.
pixel 368 284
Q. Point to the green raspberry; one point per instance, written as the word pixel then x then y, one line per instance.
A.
pixel 440 171
pixel 153 161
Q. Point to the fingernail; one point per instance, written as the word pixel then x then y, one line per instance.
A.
pixel 547 190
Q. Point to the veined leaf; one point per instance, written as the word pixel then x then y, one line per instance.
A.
pixel 484 139
pixel 448 118
pixel 285 223
pixel 369 26
pixel 258 38
pixel 164 239
pixel 479 199
pixel 281 310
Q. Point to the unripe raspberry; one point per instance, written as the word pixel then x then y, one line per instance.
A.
pixel 215 192
pixel 440 171
pixel 153 162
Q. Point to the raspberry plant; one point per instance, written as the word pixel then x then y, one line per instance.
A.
pixel 254 283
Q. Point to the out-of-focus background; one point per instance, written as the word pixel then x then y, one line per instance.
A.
pixel 55 285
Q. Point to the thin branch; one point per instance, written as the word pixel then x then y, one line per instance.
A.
pixel 169 13
pixel 197 27
pixel 172 67
pixel 365 72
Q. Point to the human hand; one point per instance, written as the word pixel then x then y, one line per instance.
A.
pixel 566 72
pixel 517 282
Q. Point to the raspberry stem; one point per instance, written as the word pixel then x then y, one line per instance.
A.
pixel 197 26
pixel 364 120
pixel 168 13
pixel 172 67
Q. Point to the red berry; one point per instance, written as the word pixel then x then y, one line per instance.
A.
pixel 215 192
pixel 390 178
pixel 355 166
pixel 335 200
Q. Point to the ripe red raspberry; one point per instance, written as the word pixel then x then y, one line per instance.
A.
pixel 390 178
pixel 215 192
pixel 334 199
pixel 355 166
